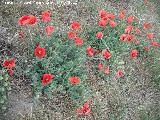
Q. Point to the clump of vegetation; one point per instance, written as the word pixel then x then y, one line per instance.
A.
pixel 54 60
pixel 4 88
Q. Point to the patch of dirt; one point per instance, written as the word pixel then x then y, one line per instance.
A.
pixel 20 99
pixel 112 98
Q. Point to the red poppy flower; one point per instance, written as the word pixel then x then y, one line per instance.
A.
pixel 146 25
pixel 122 14
pixel 130 38
pixel 123 37
pixel 113 24
pixel 138 31
pixel 150 35
pixel 74 80
pixel 85 110
pixel 106 19
pixel 146 48
pixel 90 51
pixel 78 41
pixel 111 16
pixel 32 19
pixel 106 70
pixel 9 63
pixel 106 54
pixel 99 35
pixel 47 78
pixel 102 23
pixel 72 35
pixel 128 29
pixel 27 20
pixel 102 13
pixel 23 20
pixel 119 74
pixel 134 54
pixel 49 30
pixel 130 19
pixel 46 16
pixel 100 65
pixel 154 44
pixel 39 52
pixel 75 25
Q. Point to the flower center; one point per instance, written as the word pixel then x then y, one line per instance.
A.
pixel 39 52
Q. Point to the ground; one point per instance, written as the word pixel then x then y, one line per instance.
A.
pixel 134 98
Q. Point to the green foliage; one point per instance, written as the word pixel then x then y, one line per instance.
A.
pixel 4 88
pixel 120 50
pixel 63 59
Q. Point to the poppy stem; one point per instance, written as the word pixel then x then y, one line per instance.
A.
pixel 105 44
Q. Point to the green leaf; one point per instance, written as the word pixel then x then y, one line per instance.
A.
pixel 1 78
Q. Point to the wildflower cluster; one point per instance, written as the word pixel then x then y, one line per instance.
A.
pixel 56 60
pixel 116 39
